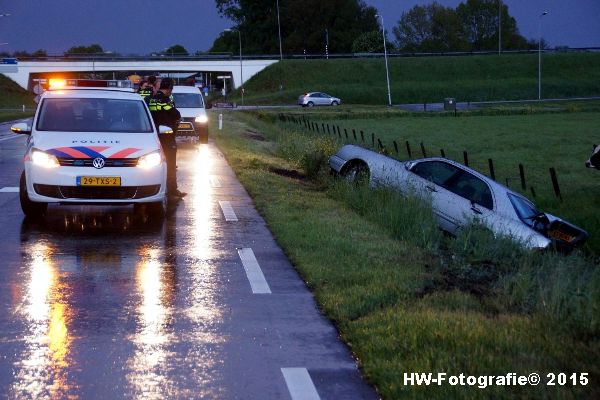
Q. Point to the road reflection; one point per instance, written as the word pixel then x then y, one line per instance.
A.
pixel 150 287
pixel 156 281
pixel 42 370
pixel 73 248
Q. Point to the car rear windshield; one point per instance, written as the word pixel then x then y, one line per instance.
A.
pixel 93 115
pixel 188 100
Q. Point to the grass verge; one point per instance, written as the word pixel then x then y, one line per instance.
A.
pixel 411 300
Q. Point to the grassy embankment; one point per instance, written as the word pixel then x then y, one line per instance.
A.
pixel 406 298
pixel 428 79
pixel 13 98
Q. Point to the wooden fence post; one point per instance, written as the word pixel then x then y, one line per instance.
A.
pixel 555 183
pixel 522 175
pixel 491 165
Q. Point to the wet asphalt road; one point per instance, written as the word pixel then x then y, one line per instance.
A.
pixel 99 302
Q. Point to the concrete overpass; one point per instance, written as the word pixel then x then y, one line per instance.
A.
pixel 22 72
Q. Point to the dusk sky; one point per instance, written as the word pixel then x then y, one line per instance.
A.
pixel 145 26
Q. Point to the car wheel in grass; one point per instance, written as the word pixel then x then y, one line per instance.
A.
pixel 30 208
pixel 310 104
pixel 357 173
pixel 335 103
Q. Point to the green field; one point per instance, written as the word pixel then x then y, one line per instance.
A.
pixel 404 297
pixel 428 79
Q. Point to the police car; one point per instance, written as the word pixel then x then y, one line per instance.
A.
pixel 92 145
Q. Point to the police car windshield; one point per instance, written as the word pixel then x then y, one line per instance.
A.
pixel 188 100
pixel 93 115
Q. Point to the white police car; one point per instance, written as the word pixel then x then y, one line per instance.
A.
pixel 91 145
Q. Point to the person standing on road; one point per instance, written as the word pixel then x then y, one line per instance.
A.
pixel 164 113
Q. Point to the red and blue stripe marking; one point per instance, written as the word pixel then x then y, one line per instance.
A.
pixel 89 152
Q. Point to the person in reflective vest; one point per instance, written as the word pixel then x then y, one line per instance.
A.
pixel 147 88
pixel 164 112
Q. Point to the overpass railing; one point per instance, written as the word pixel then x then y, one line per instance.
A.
pixel 232 56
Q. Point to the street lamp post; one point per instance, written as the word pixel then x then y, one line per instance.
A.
pixel 241 67
pixel 327 43
pixel 499 26
pixel 387 71
pixel 279 28
pixel 540 55
pixel 280 47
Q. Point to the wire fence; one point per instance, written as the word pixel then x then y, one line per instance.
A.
pixel 407 150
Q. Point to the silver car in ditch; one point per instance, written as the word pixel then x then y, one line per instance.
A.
pixel 460 196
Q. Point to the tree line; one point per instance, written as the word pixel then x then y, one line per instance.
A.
pixel 95 50
pixel 350 26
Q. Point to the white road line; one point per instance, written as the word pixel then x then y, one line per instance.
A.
pixel 214 181
pixel 9 189
pixel 228 212
pixel 255 275
pixel 10 137
pixel 299 384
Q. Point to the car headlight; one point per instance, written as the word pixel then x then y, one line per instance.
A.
pixel 201 119
pixel 150 160
pixel 43 159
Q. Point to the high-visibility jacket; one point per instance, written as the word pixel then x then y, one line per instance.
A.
pixel 146 93
pixel 163 111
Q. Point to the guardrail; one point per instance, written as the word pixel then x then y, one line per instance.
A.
pixel 232 56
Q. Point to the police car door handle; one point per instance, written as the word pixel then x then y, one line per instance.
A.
pixel 431 188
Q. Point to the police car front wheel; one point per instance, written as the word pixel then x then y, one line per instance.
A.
pixel 30 208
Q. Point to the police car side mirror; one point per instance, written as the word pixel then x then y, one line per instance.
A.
pixel 164 130
pixel 22 128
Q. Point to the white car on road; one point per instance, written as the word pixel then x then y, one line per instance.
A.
pixel 92 146
pixel 312 99
pixel 194 120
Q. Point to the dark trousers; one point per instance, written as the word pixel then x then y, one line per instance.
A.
pixel 169 146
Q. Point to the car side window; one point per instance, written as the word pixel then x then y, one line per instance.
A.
pixel 435 171
pixel 457 181
pixel 473 189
